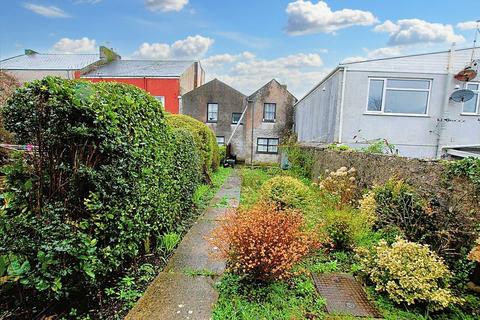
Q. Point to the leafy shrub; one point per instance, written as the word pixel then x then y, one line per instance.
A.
pixel 381 146
pixel 398 204
pixel 474 255
pixel 368 207
pixel 468 167
pixel 205 141
pixel 285 191
pixel 341 184
pixel 409 273
pixel 345 228
pixel 300 159
pixel 106 179
pixel 338 147
pixel 264 243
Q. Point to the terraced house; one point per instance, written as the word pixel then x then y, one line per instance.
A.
pixel 253 125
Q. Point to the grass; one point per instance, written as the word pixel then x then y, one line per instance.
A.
pixel 274 301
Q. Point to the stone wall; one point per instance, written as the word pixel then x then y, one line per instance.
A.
pixel 428 177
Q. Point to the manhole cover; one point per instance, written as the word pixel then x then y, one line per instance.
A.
pixel 344 295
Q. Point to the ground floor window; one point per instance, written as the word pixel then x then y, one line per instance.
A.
pixel 267 145
pixel 161 99
pixel 221 140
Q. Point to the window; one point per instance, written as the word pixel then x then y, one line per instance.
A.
pixel 236 117
pixel 269 112
pixel 161 99
pixel 212 112
pixel 471 106
pixel 221 140
pixel 398 96
pixel 267 145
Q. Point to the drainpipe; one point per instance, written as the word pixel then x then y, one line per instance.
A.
pixel 446 100
pixel 342 104
pixel 251 138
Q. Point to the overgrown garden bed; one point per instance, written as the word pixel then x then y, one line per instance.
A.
pixel 414 259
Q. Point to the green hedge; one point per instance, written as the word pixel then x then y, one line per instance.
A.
pixel 205 141
pixel 108 178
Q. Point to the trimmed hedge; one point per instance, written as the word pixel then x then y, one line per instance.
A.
pixel 108 177
pixel 205 141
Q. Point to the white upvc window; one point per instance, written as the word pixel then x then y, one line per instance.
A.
pixel 398 96
pixel 221 140
pixel 471 106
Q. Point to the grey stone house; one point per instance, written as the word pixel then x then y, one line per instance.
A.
pixel 268 114
pixel 405 100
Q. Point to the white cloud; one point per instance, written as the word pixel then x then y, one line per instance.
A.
pixel 165 5
pixel 247 73
pixel 83 45
pixel 193 47
pixel 306 17
pixel 385 52
pixel 416 31
pixel 46 11
pixel 467 25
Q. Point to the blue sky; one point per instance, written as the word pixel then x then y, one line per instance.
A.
pixel 244 43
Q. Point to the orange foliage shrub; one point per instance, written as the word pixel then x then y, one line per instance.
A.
pixel 264 243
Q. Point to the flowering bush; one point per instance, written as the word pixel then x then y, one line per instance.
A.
pixel 409 273
pixel 285 191
pixel 474 255
pixel 264 243
pixel 341 184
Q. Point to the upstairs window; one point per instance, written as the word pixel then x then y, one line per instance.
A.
pixel 471 106
pixel 269 112
pixel 398 96
pixel 212 112
pixel 236 117
pixel 267 145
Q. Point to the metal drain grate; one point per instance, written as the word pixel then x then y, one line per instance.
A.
pixel 344 295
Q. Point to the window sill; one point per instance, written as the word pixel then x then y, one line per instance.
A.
pixel 267 121
pixel 396 114
pixel 470 114
pixel 272 153
pixel 211 122
pixel 234 124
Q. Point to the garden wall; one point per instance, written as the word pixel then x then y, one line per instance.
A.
pixel 428 176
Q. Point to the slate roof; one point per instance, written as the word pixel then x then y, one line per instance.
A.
pixel 141 68
pixel 49 61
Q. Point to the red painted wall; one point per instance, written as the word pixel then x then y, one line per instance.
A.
pixel 169 88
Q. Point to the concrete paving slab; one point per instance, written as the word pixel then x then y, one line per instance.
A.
pixel 195 252
pixel 175 296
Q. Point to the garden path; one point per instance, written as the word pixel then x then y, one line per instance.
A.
pixel 186 288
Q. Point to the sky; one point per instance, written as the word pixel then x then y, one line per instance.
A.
pixel 243 43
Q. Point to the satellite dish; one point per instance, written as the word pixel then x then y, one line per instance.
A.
pixel 462 95
pixel 466 74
